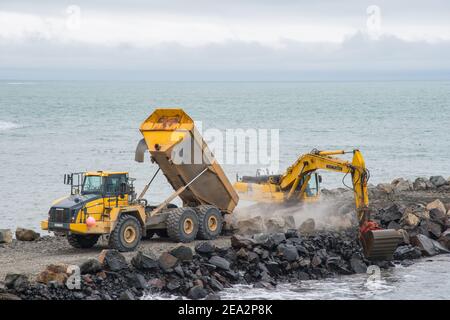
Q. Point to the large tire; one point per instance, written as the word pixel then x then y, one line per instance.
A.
pixel 182 224
pixel 82 241
pixel 127 234
pixel 210 222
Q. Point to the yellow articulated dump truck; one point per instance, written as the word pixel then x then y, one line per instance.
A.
pixel 105 203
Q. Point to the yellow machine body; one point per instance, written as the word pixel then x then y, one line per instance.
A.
pixel 69 214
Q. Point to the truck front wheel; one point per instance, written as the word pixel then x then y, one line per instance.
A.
pixel 126 236
pixel 182 224
pixel 82 241
pixel 210 222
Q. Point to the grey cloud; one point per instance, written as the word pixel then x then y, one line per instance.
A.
pixel 356 56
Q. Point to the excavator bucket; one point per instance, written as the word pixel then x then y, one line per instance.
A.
pixel 380 244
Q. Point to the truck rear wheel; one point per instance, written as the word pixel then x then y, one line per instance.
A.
pixel 82 241
pixel 182 224
pixel 126 236
pixel 210 222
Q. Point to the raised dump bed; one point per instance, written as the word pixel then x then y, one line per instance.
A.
pixel 180 151
pixel 183 156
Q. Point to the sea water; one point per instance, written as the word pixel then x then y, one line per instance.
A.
pixel 48 129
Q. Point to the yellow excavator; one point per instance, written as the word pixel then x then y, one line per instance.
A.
pixel 301 182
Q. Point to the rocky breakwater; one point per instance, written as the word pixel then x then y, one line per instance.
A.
pixel 418 209
pixel 425 228
pixel 262 260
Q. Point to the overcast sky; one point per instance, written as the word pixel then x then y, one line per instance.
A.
pixel 225 40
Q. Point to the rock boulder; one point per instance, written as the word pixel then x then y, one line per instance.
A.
pixel 438 181
pixel 288 252
pixel 407 252
pixel 420 184
pixel 167 261
pixel 220 262
pixel 182 253
pixel 112 259
pixel 90 266
pixel 147 261
pixel 308 226
pixel 26 235
pixel 5 236
pixel 250 225
pixel 400 185
pixel 16 281
pixel 437 205
pixel 238 241
pixel 205 247
pixel 197 292
pixel 428 246
pixel 53 274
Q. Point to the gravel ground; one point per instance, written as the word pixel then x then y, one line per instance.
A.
pixel 32 257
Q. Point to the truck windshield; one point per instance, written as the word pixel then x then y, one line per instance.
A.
pixel 92 185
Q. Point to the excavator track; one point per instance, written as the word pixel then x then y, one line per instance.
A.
pixel 380 244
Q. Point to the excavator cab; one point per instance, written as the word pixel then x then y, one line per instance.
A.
pixel 312 187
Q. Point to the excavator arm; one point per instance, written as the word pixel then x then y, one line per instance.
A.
pixel 377 243
pixel 300 172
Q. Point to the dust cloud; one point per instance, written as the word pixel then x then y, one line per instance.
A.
pixel 328 214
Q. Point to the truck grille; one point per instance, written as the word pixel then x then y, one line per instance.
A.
pixel 60 215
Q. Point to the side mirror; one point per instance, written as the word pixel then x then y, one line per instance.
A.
pixel 320 178
pixel 68 178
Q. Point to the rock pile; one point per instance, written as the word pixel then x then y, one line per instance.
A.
pixel 262 260
pixel 258 224
pixel 399 185
pixel 275 251
pixel 425 226
pixel 418 209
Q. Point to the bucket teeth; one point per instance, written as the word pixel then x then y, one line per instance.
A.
pixel 380 244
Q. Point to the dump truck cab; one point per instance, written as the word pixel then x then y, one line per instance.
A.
pixel 96 202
